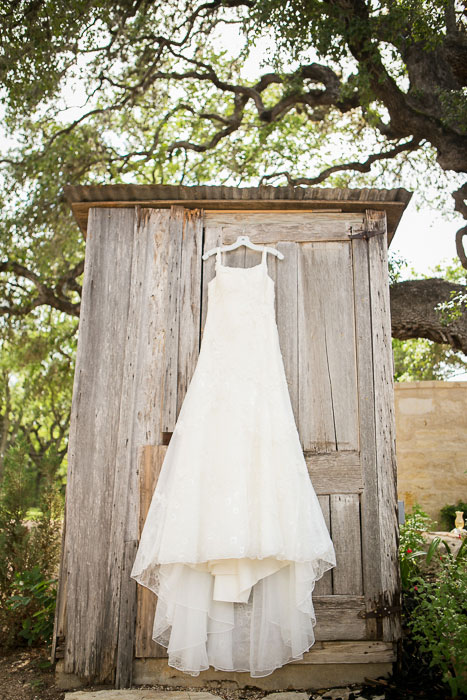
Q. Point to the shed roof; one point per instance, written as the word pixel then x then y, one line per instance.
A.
pixel 394 202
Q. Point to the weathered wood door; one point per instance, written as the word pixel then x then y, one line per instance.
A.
pixel 332 310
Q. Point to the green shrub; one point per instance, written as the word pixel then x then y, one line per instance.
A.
pixel 438 622
pixel 448 514
pixel 29 549
pixel 411 545
pixel 32 602
pixel 434 608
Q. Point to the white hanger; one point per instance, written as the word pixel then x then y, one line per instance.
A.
pixel 243 240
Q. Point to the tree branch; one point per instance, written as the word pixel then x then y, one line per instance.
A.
pixel 413 313
pixel 46 295
pixel 364 167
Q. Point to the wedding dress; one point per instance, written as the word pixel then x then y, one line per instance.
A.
pixel 234 538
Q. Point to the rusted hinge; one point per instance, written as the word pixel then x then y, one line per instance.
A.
pixel 380 611
pixel 365 234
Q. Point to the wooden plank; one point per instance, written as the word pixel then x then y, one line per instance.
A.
pixel 393 209
pixel 268 228
pixel 145 353
pixel 126 621
pixel 147 376
pixel 94 563
pixel 335 472
pixel 135 323
pixel 338 617
pixel 383 374
pixel 59 631
pixel 173 242
pixel 190 301
pixel 212 238
pixel 327 369
pixel 349 653
pixel 155 258
pixel 345 523
pixel 369 505
pixel 284 274
pixel 151 458
pixel 324 585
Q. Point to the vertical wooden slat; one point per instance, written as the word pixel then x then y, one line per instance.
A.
pixel 145 354
pixel 369 499
pixel 149 383
pixel 159 381
pixel 345 519
pixel 129 298
pixel 173 242
pixel 126 620
pixel 212 237
pixel 383 373
pixel 284 273
pixel 190 301
pixel 324 585
pixel 327 369
pixel 151 458
pixel 316 424
pixel 93 597
pixel 59 630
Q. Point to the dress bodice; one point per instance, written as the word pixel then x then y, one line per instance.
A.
pixel 239 298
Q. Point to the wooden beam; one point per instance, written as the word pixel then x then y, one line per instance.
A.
pixel 393 209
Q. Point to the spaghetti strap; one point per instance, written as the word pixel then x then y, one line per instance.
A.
pixel 218 258
pixel 263 259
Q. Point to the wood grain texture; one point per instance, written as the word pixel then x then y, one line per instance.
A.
pixel 335 472
pixel 286 294
pixel 383 375
pixel 126 620
pixel 324 585
pixel 82 197
pixel 371 571
pixel 345 523
pixel 94 564
pixel 143 313
pixel 57 650
pixel 151 458
pixel 349 653
pixel 338 617
pixel 268 227
pixel 173 242
pixel 191 271
pixel 327 363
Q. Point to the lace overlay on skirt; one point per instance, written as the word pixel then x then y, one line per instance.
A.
pixel 234 539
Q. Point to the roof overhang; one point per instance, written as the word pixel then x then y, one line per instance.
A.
pixel 393 202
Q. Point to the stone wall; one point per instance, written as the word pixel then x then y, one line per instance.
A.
pixel 431 444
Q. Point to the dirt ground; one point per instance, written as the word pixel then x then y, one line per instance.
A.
pixel 26 674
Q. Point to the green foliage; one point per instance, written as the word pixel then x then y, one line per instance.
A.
pixel 37 354
pixel 419 359
pixel 455 108
pixel 29 550
pixel 456 306
pixel 332 28
pixel 448 513
pixel 439 622
pixel 411 544
pixel 396 266
pixel 434 605
pixel 32 600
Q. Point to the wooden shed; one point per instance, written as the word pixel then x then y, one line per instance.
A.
pixel 142 317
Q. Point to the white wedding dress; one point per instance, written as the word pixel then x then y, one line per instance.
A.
pixel 235 538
